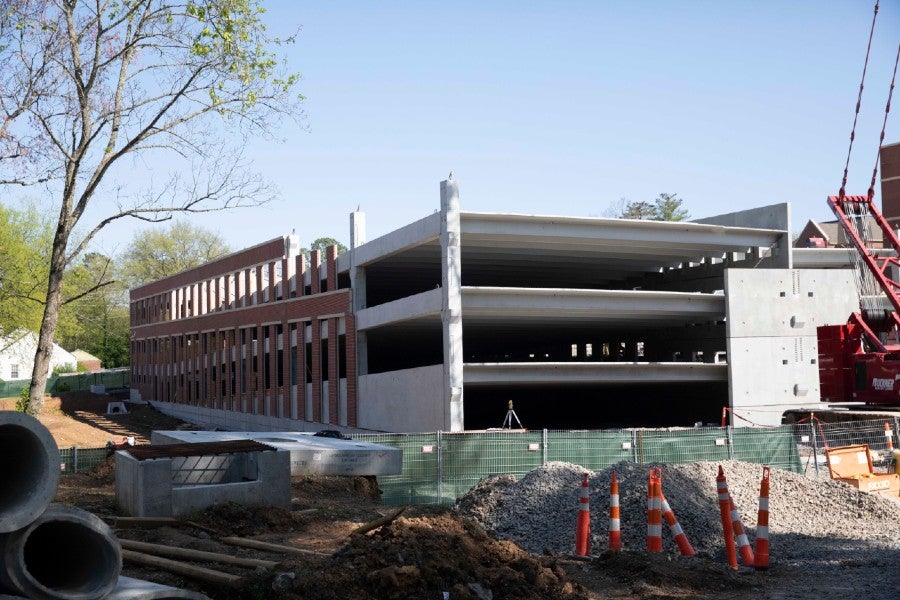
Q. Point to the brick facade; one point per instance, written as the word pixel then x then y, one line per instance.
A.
pixel 232 335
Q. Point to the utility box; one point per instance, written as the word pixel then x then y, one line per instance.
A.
pixel 853 465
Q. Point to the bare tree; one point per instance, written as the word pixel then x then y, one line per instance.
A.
pixel 86 85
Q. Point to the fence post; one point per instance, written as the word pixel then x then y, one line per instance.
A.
pixel 634 446
pixel 730 435
pixel 75 459
pixel 815 456
pixel 543 447
pixel 440 468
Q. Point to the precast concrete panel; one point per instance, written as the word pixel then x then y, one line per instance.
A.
pixel 772 316
pixel 787 302
pixel 408 400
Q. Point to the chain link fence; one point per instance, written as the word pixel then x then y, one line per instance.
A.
pixel 79 460
pixel 58 384
pixel 440 467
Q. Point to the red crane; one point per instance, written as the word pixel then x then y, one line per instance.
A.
pixel 860 361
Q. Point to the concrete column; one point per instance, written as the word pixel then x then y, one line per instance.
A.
pixel 451 307
pixel 357 229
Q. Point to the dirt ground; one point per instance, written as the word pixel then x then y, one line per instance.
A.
pixel 422 554
pixel 80 419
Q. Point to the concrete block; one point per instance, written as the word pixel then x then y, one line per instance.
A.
pixel 309 454
pixel 160 487
pixel 143 488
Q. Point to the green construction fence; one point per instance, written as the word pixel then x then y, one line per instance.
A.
pixel 440 467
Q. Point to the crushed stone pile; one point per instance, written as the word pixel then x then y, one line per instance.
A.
pixel 819 522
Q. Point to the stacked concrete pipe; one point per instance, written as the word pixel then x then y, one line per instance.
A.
pixel 47 551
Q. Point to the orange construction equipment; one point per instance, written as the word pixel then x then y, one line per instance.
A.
pixel 853 465
pixel 743 543
pixel 583 528
pixel 654 511
pixel 684 546
pixel 615 536
pixel 761 560
pixel 725 512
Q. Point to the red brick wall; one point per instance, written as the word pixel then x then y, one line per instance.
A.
pixel 171 375
pixel 890 183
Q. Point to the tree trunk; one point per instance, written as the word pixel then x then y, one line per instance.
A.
pixel 44 351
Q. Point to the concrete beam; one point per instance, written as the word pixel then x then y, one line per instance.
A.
pixel 412 307
pixel 416 233
pixel 830 258
pixel 530 231
pixel 510 303
pixel 537 373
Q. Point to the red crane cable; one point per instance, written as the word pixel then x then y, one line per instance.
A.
pixel 862 82
pixel 887 109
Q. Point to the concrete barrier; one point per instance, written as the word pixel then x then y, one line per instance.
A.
pixel 65 554
pixel 29 469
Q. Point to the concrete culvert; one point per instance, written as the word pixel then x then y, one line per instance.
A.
pixel 67 553
pixel 29 469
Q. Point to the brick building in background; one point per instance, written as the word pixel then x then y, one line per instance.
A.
pixel 826 234
pixel 254 339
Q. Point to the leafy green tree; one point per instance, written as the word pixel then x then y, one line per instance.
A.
pixel 157 253
pixel 321 244
pixel 24 240
pixel 639 210
pixel 99 322
pixel 668 208
pixel 92 91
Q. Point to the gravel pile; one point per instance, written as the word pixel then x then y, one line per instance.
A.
pixel 810 521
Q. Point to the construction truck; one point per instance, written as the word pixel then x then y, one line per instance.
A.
pixel 860 360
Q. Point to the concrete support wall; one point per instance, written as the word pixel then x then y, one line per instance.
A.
pixel 771 323
pixel 451 307
pixel 410 400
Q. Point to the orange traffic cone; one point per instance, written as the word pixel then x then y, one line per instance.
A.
pixel 615 536
pixel 725 512
pixel 889 436
pixel 762 524
pixel 654 511
pixel 743 543
pixel 583 528
pixel 684 546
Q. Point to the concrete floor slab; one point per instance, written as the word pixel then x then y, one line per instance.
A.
pixel 310 454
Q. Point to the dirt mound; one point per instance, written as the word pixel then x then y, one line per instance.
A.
pixel 422 557
pixel 242 520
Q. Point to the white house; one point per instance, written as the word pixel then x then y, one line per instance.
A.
pixel 17 356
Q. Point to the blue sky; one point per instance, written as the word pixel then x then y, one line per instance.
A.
pixel 563 107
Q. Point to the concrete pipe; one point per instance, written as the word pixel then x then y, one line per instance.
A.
pixel 138 589
pixel 65 554
pixel 29 469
